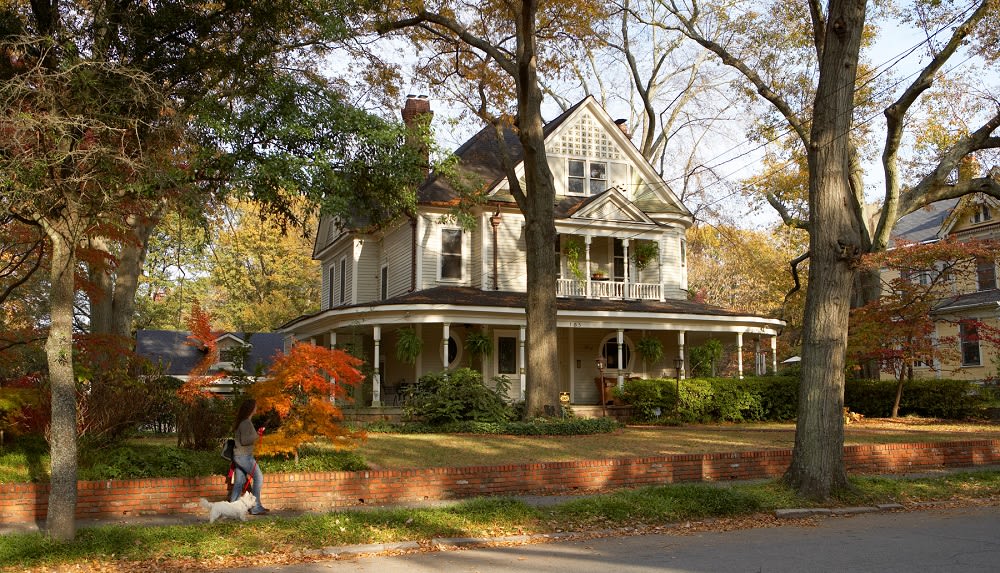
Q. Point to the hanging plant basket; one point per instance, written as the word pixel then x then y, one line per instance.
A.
pixel 408 345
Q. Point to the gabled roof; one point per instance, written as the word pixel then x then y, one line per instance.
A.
pixel 924 225
pixel 608 206
pixel 963 207
pixel 481 162
pixel 170 348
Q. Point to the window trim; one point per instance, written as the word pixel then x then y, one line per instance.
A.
pixel 962 342
pixel 513 335
pixel 463 245
pixel 384 282
pixel 986 268
pixel 343 280
pixel 587 176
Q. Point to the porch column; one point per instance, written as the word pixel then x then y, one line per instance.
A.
pixel 333 381
pixel 759 363
pixel 774 355
pixel 680 354
pixel 659 268
pixel 586 245
pixel 621 372
pixel 377 377
pixel 520 358
pixel 446 334
pixel 625 263
pixel 739 355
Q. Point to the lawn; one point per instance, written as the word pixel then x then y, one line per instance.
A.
pixel 440 450
pixel 394 451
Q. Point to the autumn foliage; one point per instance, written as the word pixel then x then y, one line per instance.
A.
pixel 302 387
pixel 203 337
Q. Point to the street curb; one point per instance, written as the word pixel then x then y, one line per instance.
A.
pixel 803 512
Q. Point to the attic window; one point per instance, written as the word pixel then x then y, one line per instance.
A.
pixel 981 215
pixel 587 177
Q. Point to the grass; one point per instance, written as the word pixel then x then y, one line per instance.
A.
pixel 150 457
pixel 231 544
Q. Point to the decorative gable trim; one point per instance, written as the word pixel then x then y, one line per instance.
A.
pixel 611 206
pixel 965 207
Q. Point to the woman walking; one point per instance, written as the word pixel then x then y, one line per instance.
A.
pixel 246 436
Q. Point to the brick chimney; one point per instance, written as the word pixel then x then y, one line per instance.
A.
pixel 417 108
pixel 623 125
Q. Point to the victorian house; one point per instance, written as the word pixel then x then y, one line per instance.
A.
pixel 966 313
pixel 622 284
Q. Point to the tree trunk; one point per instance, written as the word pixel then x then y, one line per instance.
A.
pixel 113 309
pixel 60 518
pixel 817 466
pixel 867 289
pixel 540 234
pixel 899 394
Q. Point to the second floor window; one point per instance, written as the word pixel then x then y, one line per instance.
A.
pixel 451 254
pixel 968 336
pixel 981 214
pixel 986 274
pixel 384 283
pixel 333 289
pixel 587 177
pixel 343 279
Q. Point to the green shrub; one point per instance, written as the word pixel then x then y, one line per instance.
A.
pixel 949 399
pixel 456 396
pixel 707 400
pixel 537 427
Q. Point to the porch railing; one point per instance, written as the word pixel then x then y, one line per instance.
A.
pixel 618 290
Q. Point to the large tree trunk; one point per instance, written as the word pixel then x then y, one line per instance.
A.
pixel 60 519
pixel 112 310
pixel 817 466
pixel 540 233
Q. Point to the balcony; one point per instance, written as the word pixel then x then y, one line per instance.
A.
pixel 609 289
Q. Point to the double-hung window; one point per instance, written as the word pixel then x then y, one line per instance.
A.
pixel 384 282
pixel 968 336
pixel 451 254
pixel 343 280
pixel 587 177
pixel 986 274
pixel 981 214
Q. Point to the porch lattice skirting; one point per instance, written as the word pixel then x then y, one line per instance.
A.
pixel 23 503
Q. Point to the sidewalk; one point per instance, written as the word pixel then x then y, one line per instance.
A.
pixel 532 500
pixel 193 519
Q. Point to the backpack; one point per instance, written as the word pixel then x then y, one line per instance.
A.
pixel 227 448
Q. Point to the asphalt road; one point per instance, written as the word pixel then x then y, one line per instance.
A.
pixel 965 540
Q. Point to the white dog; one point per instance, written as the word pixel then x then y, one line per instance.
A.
pixel 233 509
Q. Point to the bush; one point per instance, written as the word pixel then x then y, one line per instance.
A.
pixel 949 399
pixel 712 399
pixel 457 396
pixel 537 427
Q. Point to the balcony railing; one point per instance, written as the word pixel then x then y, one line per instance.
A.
pixel 618 290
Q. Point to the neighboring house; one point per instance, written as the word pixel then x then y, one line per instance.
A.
pixel 971 298
pixel 622 271
pixel 245 354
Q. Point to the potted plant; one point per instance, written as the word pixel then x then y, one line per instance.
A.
pixel 643 252
pixel 408 345
pixel 599 275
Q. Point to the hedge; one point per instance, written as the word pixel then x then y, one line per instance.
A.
pixel 775 398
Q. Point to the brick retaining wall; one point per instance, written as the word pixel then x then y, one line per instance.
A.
pixel 22 503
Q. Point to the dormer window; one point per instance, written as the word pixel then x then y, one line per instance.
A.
pixel 587 177
pixel 981 214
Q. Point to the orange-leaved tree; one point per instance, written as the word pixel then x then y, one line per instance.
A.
pixel 201 420
pixel 302 388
